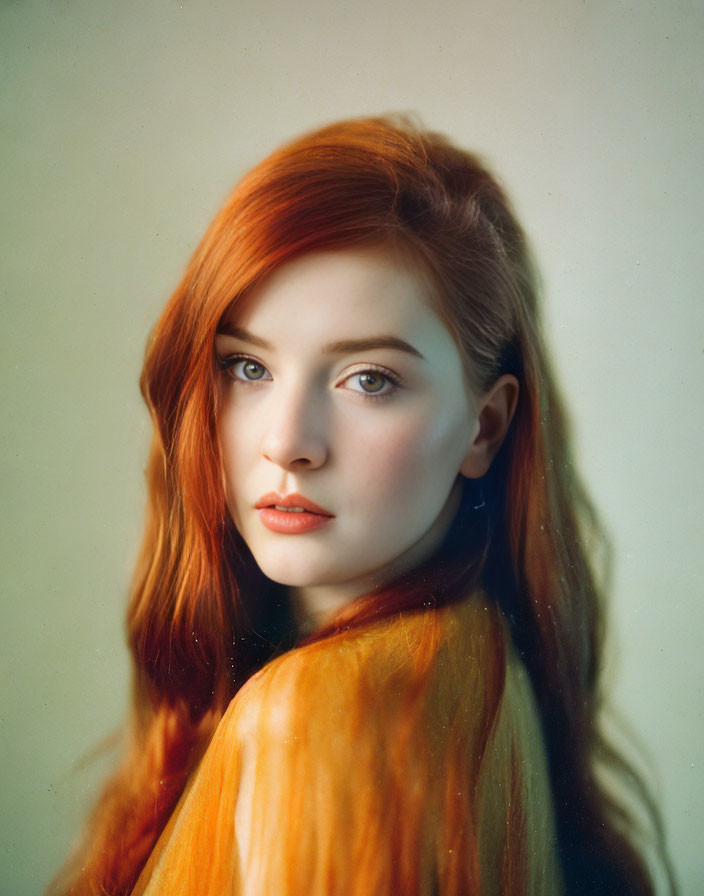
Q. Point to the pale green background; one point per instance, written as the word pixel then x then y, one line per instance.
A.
pixel 125 124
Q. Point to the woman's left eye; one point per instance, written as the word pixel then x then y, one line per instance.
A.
pixel 370 382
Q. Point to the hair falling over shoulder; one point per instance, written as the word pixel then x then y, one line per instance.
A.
pixel 197 599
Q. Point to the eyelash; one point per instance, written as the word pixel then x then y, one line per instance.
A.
pixel 227 366
pixel 393 381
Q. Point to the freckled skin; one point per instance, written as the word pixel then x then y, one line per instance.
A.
pixel 386 466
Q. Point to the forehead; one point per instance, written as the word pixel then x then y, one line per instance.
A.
pixel 348 293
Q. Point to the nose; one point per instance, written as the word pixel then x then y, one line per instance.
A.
pixel 295 437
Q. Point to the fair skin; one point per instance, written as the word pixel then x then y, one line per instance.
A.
pixel 346 423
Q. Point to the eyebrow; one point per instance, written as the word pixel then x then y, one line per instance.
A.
pixel 341 347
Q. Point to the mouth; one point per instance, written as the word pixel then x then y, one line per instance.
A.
pixel 290 504
pixel 291 514
pixel 290 509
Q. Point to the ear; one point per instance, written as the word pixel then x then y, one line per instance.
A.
pixel 494 412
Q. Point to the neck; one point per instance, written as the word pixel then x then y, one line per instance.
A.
pixel 314 607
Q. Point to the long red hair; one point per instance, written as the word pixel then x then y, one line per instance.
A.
pixel 197 598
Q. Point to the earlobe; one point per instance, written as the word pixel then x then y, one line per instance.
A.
pixel 494 413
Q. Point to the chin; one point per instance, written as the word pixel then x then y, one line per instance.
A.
pixel 295 564
pixel 293 575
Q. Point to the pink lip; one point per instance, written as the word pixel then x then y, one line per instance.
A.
pixel 289 522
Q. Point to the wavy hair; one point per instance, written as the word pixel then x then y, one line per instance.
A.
pixel 198 599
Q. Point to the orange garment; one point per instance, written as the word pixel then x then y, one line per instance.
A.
pixel 402 758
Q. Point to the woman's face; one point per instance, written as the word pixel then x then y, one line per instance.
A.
pixel 345 419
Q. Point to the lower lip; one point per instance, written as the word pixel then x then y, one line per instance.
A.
pixel 289 522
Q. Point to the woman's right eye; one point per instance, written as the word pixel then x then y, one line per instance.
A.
pixel 244 369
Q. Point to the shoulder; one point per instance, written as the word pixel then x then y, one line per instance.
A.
pixel 402 751
pixel 448 656
pixel 397 644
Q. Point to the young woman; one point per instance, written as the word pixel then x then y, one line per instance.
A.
pixel 365 627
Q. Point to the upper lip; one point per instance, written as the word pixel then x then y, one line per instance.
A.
pixel 273 499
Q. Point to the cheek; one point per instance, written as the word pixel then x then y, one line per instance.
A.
pixel 413 460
